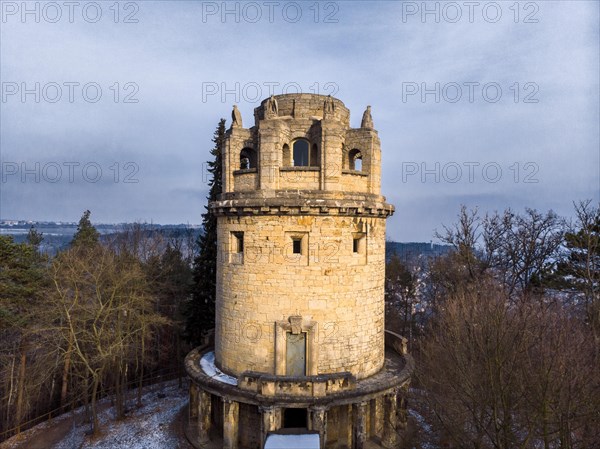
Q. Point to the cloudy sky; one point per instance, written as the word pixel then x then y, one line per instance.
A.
pixel 111 106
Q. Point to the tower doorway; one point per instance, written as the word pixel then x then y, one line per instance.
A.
pixel 296 354
pixel 295 418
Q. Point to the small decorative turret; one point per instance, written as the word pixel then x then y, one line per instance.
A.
pixel 272 108
pixel 328 108
pixel 367 120
pixel 236 117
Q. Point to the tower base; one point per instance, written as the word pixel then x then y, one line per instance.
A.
pixel 245 412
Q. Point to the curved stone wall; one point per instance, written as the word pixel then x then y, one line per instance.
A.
pixel 335 284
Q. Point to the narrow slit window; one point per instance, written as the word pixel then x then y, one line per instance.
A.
pixel 358 243
pixel 297 246
pixel 239 242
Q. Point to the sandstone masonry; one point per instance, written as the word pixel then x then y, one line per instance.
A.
pixel 300 278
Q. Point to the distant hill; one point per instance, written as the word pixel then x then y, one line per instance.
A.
pixel 412 250
pixel 57 236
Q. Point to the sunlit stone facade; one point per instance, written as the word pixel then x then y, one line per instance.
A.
pixel 299 334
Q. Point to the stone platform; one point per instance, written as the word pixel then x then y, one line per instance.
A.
pixel 347 413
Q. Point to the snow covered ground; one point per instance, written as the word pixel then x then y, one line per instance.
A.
pixel 145 428
pixel 425 428
pixel 148 427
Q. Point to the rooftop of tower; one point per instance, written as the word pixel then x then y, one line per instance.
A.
pixel 304 106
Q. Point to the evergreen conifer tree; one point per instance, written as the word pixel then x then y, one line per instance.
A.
pixel 200 310
pixel 86 235
pixel 579 271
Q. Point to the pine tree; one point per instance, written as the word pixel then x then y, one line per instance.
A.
pixel 21 280
pixel 200 311
pixel 35 238
pixel 580 270
pixel 22 283
pixel 86 235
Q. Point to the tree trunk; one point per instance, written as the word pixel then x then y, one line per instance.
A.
pixel 86 400
pixel 21 387
pixel 95 425
pixel 10 392
pixel 54 380
pixel 178 355
pixel 65 375
pixel 118 395
pixel 141 378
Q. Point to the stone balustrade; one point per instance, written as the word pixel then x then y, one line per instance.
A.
pixel 303 386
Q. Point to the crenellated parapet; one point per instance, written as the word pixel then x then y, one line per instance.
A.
pixel 302 142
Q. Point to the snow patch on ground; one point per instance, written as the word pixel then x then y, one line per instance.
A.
pixel 42 428
pixel 146 427
pixel 207 363
pixel 425 427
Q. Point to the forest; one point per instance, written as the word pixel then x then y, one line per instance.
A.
pixel 503 322
pixel 102 317
pixel 505 326
pixel 505 330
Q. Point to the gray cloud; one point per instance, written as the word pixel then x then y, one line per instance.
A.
pixel 370 54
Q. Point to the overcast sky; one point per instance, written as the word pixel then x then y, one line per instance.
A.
pixel 492 105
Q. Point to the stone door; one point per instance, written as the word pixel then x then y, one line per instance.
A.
pixel 296 354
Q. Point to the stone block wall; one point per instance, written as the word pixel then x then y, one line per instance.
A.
pixel 245 180
pixel 329 284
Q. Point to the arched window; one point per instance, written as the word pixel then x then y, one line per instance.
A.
pixel 355 160
pixel 300 153
pixel 247 158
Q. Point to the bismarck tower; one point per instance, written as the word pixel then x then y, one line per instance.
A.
pixel 300 346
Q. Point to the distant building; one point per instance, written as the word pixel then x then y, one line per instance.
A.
pixel 300 345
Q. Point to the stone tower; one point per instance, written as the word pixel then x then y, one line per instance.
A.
pixel 299 342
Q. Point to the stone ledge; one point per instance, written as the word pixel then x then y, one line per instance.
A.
pixel 310 168
pixel 354 172
pixel 305 386
pixel 302 210
pixel 299 206
pixel 302 195
pixel 244 171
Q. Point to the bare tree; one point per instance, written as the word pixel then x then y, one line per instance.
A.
pixel 505 374
pixel 517 249
pixel 525 247
pixel 465 236
pixel 401 291
pixel 578 272
pixel 102 309
pixel 561 378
